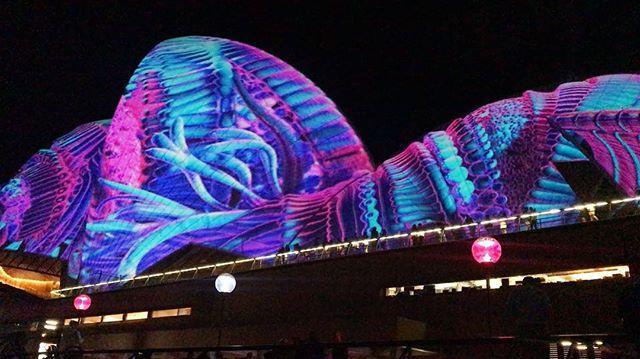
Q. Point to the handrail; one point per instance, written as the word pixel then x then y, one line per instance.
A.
pixel 509 224
pixel 592 339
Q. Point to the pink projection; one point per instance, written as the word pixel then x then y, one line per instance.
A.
pixel 218 144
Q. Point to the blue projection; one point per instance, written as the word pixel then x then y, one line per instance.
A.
pixel 220 144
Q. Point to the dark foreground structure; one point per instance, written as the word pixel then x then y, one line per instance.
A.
pixel 222 158
pixel 427 296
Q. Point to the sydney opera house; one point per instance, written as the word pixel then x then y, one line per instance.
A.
pixel 222 158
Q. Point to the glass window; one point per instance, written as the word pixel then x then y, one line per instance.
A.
pixel 113 318
pixel 184 311
pixel 164 313
pixel 92 320
pixel 392 292
pixel 137 315
pixel 68 321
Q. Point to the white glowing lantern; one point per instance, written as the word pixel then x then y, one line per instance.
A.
pixel 225 283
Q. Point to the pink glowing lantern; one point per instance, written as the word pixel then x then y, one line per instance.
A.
pixel 486 250
pixel 82 302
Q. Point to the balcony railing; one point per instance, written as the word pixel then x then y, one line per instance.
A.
pixel 518 223
pixel 557 346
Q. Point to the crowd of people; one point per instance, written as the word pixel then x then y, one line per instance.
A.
pixel 422 233
pixel 528 313
pixel 309 348
pixel 528 306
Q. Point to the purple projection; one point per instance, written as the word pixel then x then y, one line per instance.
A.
pixel 220 144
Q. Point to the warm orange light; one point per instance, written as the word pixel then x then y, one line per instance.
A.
pixel 41 288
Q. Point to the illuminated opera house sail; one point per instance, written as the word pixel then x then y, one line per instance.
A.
pixel 219 144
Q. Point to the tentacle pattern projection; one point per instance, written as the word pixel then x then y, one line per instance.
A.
pixel 219 144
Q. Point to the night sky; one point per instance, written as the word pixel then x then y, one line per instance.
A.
pixel 396 69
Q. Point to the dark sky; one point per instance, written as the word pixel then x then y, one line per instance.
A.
pixel 396 69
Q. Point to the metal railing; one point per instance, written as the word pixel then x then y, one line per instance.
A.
pixel 556 346
pixel 518 223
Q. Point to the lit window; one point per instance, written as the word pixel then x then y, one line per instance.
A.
pixel 164 313
pixel 92 320
pixel 137 315
pixel 68 321
pixel 113 318
pixel 392 292
pixel 184 311
pixel 43 347
pixel 556 277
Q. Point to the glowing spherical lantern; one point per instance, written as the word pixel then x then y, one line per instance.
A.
pixel 82 302
pixel 486 250
pixel 225 283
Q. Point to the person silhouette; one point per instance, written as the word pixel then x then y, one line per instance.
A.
pixel 629 310
pixel 339 351
pixel 528 308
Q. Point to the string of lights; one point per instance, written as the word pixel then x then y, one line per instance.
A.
pixel 63 292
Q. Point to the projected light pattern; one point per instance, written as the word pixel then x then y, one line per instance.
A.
pixel 219 144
